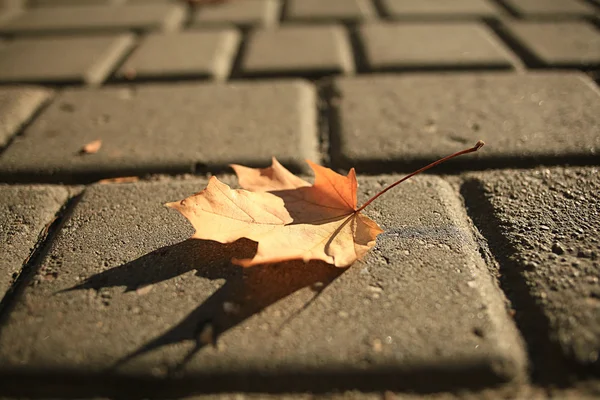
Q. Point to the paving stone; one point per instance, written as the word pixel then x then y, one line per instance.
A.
pixel 190 54
pixel 331 10
pixel 550 8
pixel 440 9
pixel 86 59
pixel 466 45
pixel 400 122
pixel 175 128
pixel 77 19
pixel 298 50
pixel 244 14
pixel 558 44
pixel 420 311
pixel 17 106
pixel 24 211
pixel 543 226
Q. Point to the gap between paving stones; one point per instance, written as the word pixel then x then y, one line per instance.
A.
pixel 37 254
pixel 549 366
pixel 27 122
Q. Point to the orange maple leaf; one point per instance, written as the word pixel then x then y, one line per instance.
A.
pixel 289 218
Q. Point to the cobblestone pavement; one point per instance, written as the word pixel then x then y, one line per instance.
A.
pixel 485 283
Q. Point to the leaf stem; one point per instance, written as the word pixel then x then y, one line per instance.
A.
pixel 477 146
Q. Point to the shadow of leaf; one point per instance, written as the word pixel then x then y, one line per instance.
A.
pixel 246 291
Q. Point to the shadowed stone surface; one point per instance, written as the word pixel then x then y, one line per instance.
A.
pixel 550 8
pixel 558 44
pixel 245 14
pixel 419 311
pixel 401 122
pixel 548 223
pixel 174 128
pixel 438 9
pixel 78 19
pixel 330 10
pixel 87 59
pixel 24 211
pixel 199 54
pixel 298 50
pixel 17 106
pixel 391 46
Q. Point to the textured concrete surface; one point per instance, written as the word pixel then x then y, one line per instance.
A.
pixel 544 227
pixel 25 212
pixel 17 105
pixel 191 54
pixel 400 122
pixel 440 9
pixel 483 289
pixel 173 128
pixel 77 19
pixel 391 46
pixel 550 8
pixel 421 308
pixel 244 14
pixel 303 50
pixel 89 59
pixel 331 10
pixel 558 44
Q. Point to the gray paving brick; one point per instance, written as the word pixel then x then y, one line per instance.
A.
pixel 85 59
pixel 440 9
pixel 17 106
pixel 558 44
pixel 466 45
pixel 550 8
pixel 399 122
pixel 244 14
pixel 331 10
pixel 77 19
pixel 545 233
pixel 205 54
pixel 24 211
pixel 420 311
pixel 298 50
pixel 166 128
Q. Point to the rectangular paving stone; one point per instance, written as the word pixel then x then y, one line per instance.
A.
pixel 440 9
pixel 543 227
pixel 558 44
pixel 465 45
pixel 132 301
pixel 160 128
pixel 25 212
pixel 306 50
pixel 189 54
pixel 17 105
pixel 78 19
pixel 84 59
pixel 330 10
pixel 550 8
pixel 244 14
pixel 401 122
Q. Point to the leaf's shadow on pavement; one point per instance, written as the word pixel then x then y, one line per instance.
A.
pixel 247 291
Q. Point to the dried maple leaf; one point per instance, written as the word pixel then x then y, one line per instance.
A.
pixel 288 217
